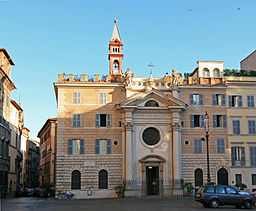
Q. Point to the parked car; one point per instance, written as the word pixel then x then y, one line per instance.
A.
pixel 217 195
pixel 21 193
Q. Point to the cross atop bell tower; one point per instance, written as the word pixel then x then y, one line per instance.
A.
pixel 115 53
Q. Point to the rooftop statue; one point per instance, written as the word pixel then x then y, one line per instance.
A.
pixel 128 77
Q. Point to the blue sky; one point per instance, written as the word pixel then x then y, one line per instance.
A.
pixel 48 37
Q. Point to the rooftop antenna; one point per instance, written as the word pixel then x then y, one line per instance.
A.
pixel 150 67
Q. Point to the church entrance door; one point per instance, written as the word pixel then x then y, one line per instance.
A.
pixel 152 179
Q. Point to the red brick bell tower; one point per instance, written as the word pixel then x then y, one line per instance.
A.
pixel 115 53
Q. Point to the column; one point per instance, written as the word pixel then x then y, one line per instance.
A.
pixel 123 152
pixel 177 159
pixel 177 162
pixel 128 152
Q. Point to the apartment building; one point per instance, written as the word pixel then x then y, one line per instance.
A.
pixel 48 149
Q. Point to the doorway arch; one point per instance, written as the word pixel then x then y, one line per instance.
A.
pixel 198 177
pixel 222 176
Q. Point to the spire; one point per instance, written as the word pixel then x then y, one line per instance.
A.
pixel 115 34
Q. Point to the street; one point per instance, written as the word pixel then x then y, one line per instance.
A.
pixel 129 204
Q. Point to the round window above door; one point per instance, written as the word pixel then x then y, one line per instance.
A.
pixel 151 136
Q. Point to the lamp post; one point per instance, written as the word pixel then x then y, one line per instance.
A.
pixel 206 121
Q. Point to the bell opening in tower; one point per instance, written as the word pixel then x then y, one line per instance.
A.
pixel 116 67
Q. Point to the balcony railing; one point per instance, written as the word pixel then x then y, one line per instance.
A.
pixel 84 78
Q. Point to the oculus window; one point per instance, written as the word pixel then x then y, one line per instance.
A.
pixel 151 136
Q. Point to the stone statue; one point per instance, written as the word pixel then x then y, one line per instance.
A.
pixel 168 78
pixel 128 76
pixel 176 77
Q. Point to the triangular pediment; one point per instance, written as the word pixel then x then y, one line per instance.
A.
pixel 139 100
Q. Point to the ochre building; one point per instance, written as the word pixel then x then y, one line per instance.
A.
pixel 146 133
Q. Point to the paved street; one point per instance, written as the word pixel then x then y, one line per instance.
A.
pixel 133 204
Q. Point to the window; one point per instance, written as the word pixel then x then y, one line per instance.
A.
pixel 196 99
pixel 236 127
pixel 220 189
pixel 76 120
pixel 219 99
pixel 216 73
pixel 103 120
pixel 209 189
pixel 103 179
pixel 103 97
pixel 253 155
pixel 206 72
pixel 238 156
pixel 151 136
pixel 250 101
pixel 219 121
pixel 76 180
pixel 238 179
pixel 251 127
pixel 76 98
pixel 75 146
pixel 235 101
pixel 151 103
pixel 220 146
pixel 197 121
pixel 253 179
pixel 103 146
pixel 230 190
pixel 197 146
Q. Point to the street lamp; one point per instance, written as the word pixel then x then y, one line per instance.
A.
pixel 206 122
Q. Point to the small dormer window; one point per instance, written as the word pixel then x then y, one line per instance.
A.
pixel 216 73
pixel 206 73
pixel 151 103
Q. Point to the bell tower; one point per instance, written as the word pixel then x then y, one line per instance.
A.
pixel 115 53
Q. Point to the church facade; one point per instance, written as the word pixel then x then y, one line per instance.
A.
pixel 145 133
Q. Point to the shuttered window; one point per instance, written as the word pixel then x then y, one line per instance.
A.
pixel 103 146
pixel 235 101
pixel 196 99
pixel 238 156
pixel 76 120
pixel 197 121
pixel 76 98
pixel 75 146
pixel 103 120
pixel 103 98
pixel 253 155
pixel 251 127
pixel 236 127
pixel 250 101
pixel 219 99
pixel 220 146
pixel 197 146
pixel 219 121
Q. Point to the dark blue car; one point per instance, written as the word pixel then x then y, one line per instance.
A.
pixel 217 195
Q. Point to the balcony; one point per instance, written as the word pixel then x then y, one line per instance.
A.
pixel 205 81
